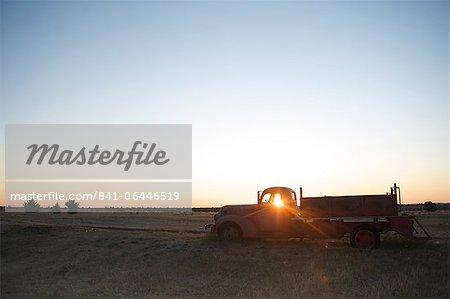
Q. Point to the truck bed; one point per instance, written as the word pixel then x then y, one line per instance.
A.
pixel 349 206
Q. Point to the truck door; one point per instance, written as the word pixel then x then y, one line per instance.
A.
pixel 274 216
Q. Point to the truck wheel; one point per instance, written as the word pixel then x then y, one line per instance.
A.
pixel 365 237
pixel 230 232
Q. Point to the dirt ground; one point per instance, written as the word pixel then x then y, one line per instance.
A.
pixel 169 255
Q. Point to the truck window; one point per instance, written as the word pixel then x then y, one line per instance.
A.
pixel 266 198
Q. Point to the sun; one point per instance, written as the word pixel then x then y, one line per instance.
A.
pixel 277 201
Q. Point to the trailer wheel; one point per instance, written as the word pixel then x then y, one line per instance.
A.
pixel 366 237
pixel 230 232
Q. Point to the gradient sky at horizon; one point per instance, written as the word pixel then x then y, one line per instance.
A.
pixel 339 97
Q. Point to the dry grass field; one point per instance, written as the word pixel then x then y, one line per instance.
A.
pixel 169 255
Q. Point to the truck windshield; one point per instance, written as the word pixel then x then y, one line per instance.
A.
pixel 272 198
pixel 278 197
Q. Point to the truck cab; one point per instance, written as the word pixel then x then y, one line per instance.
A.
pixel 278 196
pixel 270 217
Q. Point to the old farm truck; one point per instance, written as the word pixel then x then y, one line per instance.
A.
pixel 278 214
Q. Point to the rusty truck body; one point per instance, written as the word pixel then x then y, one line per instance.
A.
pixel 280 213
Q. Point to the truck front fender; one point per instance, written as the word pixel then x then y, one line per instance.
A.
pixel 247 227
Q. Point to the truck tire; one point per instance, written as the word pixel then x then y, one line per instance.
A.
pixel 365 237
pixel 230 232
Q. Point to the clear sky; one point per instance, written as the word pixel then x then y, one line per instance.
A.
pixel 338 97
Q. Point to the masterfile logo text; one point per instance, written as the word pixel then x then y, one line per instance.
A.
pixel 98 152
pixel 94 156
